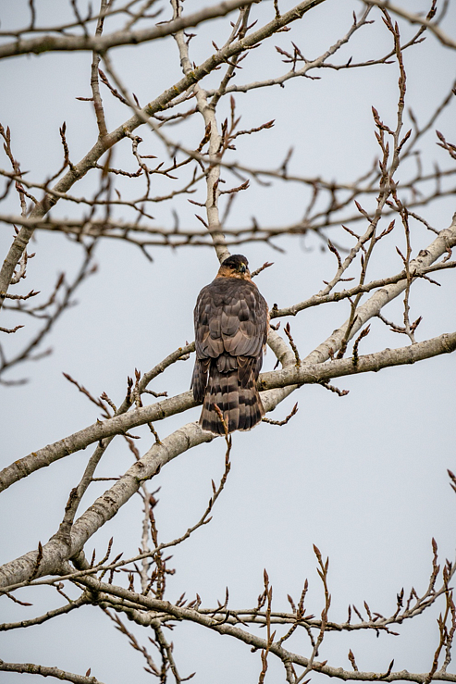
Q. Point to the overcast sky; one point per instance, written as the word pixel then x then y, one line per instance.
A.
pixel 363 477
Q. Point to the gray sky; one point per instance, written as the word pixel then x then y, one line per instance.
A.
pixel 363 476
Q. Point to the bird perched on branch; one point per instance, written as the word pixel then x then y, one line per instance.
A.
pixel 231 327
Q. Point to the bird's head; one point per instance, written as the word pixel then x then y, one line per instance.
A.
pixel 235 266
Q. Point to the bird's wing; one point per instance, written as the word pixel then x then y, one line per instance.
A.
pixel 230 316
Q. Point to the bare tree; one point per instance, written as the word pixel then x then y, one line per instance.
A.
pixel 196 125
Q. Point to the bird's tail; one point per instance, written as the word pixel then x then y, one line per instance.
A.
pixel 239 403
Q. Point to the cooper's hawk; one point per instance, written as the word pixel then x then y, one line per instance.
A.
pixel 231 326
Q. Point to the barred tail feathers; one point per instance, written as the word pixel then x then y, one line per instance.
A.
pixel 239 402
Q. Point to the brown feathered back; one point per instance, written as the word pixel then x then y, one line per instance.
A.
pixel 231 325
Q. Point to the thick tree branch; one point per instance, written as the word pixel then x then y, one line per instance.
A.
pixel 79 170
pixel 99 44
pixel 307 374
pixel 62 547
pixel 31 668
pixel 220 625
pixel 58 550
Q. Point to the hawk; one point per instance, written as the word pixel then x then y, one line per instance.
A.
pixel 231 326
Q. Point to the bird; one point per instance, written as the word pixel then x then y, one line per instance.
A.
pixel 231 325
